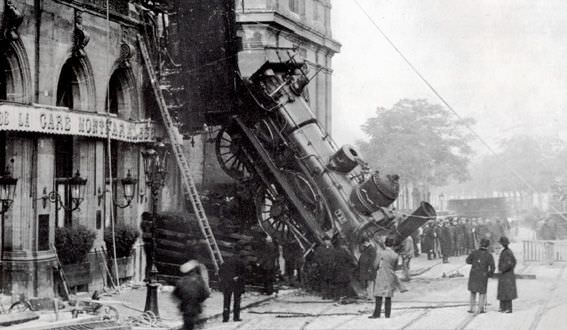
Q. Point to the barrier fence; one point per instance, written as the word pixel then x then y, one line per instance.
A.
pixel 545 251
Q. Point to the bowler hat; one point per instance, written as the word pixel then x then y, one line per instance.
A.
pixel 504 241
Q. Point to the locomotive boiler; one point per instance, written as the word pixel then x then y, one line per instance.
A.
pixel 306 187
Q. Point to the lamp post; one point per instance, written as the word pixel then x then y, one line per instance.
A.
pixel 155 167
pixel 7 192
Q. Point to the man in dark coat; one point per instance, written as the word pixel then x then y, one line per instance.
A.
pixel 482 268
pixel 345 268
pixel 454 238
pixel 325 259
pixel 429 240
pixel 232 279
pixel 446 239
pixel 293 259
pixel 507 280
pixel 267 262
pixel 366 271
pixel 191 290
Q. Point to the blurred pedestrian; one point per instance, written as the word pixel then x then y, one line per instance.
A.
pixel 191 290
pixel 482 268
pixel 416 237
pixel 386 279
pixel 325 259
pixel 507 281
pixel 406 252
pixel 232 280
pixel 267 262
pixel 366 270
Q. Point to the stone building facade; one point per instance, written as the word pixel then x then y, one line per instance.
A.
pixel 68 69
pixel 75 97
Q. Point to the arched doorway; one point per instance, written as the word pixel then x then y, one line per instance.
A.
pixel 15 75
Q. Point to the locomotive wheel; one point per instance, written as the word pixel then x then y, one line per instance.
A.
pixel 228 147
pixel 276 216
pixel 265 135
pixel 308 196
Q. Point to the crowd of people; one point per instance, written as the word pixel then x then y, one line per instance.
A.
pixel 332 268
pixel 456 236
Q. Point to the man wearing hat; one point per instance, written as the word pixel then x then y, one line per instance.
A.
pixel 366 270
pixel 507 280
pixel 232 279
pixel 482 268
pixel 191 290
pixel 325 259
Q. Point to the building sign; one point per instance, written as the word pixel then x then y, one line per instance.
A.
pixel 56 120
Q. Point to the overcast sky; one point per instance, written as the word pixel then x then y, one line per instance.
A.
pixel 502 62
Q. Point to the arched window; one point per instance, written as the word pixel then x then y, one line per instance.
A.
pixel 122 98
pixel 75 88
pixel 15 76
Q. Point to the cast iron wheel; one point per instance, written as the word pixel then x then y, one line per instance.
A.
pixel 265 135
pixel 309 197
pixel 230 155
pixel 276 216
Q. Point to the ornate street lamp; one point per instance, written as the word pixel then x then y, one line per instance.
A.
pixel 76 185
pixel 7 192
pixel 155 169
pixel 128 188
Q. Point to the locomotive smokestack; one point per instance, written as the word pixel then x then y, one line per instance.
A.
pixel 418 218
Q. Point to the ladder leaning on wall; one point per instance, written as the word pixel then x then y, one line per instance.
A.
pixel 189 187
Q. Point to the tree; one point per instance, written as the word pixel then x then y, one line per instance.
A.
pixel 421 142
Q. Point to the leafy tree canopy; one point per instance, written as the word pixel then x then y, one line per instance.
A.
pixel 421 142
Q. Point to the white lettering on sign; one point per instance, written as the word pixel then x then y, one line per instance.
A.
pixel 39 119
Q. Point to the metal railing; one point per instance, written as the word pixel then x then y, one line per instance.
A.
pixel 544 251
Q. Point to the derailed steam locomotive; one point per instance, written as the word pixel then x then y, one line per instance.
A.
pixel 307 186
